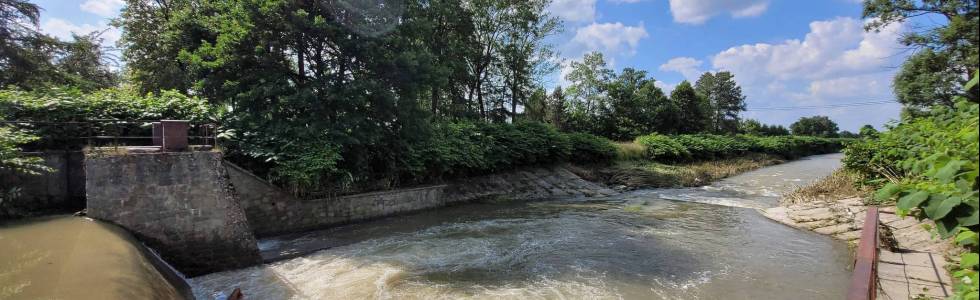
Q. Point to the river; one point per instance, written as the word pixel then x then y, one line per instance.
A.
pixel 691 243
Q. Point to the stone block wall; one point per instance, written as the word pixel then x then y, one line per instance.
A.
pixel 271 211
pixel 181 204
pixel 60 190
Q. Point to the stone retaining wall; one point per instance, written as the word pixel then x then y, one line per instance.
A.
pixel 181 204
pixel 272 211
pixel 60 190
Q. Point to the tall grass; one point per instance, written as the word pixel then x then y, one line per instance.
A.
pixel 630 151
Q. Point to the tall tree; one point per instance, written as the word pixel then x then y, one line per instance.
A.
pixel 31 60
pixel 526 55
pixel 695 114
pixel 587 92
pixel 947 47
pixel 725 97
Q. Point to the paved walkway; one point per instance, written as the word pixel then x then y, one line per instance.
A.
pixel 910 264
pixel 914 269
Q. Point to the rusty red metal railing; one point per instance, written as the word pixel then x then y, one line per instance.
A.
pixel 865 277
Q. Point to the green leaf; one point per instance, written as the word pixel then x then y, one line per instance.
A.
pixel 969 220
pixel 945 207
pixel 887 192
pixel 912 200
pixel 968 260
pixel 946 174
pixel 966 237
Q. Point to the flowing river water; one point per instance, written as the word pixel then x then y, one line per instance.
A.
pixel 691 243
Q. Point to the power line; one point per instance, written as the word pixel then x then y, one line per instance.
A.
pixel 855 104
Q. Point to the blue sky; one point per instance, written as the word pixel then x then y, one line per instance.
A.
pixel 784 53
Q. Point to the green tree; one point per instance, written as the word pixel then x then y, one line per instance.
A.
pixel 589 80
pixel 32 60
pixel 815 126
pixel 868 131
pixel 155 31
pixel 949 50
pixel 694 109
pixel 725 97
pixel 925 79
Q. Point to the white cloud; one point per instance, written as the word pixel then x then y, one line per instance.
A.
pixel 573 10
pixel 63 29
pixel 611 39
pixel 837 62
pixel 666 87
pixel 699 11
pixel 831 49
pixel 689 67
pixel 105 8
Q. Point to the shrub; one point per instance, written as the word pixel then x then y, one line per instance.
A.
pixel 664 148
pixel 587 148
pixel 73 105
pixel 931 165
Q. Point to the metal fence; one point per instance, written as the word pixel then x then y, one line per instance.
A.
pixel 74 135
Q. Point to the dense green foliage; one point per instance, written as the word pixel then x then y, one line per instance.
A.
pixel 12 161
pixel 625 105
pixel 815 126
pixel 929 165
pixel 724 98
pixel 452 149
pixel 949 46
pixel 63 106
pixel 30 59
pixel 754 127
pixel 708 146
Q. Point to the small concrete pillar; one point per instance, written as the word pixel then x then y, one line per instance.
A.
pixel 157 134
pixel 174 135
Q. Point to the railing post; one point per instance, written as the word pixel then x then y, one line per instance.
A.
pixel 864 279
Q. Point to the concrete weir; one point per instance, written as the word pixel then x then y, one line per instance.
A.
pixel 180 203
pixel 202 214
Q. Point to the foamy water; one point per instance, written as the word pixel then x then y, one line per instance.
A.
pixel 643 245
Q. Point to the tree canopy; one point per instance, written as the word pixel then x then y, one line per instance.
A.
pixel 815 126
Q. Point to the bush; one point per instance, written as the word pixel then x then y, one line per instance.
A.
pixel 587 148
pixel 930 163
pixel 663 148
pixel 707 147
pixel 73 105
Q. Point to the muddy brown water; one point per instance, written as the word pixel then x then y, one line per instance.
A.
pixel 692 243
pixel 66 257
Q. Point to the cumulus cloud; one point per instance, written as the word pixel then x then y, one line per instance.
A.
pixel 63 29
pixel 611 39
pixel 105 8
pixel 699 11
pixel 573 10
pixel 689 67
pixel 831 49
pixel 836 62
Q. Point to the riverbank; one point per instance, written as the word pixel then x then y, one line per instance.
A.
pixel 911 264
pixel 631 174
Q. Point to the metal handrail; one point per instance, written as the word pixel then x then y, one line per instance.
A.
pixel 864 280
pixel 207 132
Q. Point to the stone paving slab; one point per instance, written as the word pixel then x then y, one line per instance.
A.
pixel 910 274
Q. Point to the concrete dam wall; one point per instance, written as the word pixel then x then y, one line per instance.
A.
pixel 203 214
pixel 181 204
